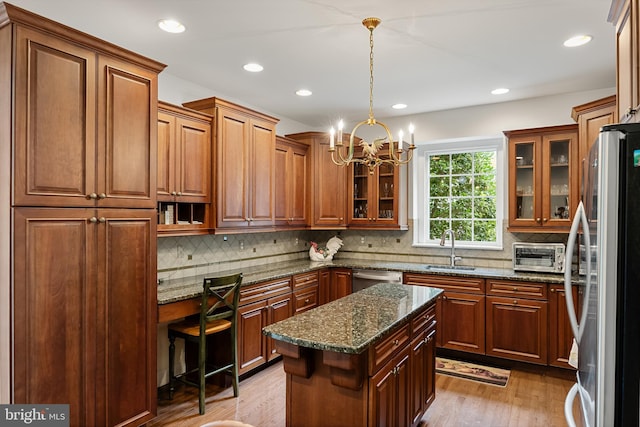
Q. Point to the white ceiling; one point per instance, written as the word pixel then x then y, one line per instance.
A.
pixel 429 54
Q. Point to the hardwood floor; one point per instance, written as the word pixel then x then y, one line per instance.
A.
pixel 533 397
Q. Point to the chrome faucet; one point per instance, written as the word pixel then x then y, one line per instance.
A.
pixel 453 256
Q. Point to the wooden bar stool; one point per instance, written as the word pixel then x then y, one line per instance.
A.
pixel 218 312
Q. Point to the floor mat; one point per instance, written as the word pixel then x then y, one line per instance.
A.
pixel 471 371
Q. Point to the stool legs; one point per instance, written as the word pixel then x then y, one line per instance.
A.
pixel 234 355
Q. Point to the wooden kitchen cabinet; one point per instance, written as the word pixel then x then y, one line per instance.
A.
pixel 341 283
pixel 324 286
pixel 560 333
pixel 84 124
pixel 292 183
pixel 378 200
pixel 517 325
pixel 625 15
pixel 423 371
pixel 305 291
pixel 245 142
pixel 261 304
pixel 590 118
pixel 78 225
pixel 85 317
pixel 328 183
pixel 460 310
pixel 543 178
pixel 184 170
pixel 391 392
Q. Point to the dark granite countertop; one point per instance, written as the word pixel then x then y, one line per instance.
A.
pixel 180 289
pixel 353 323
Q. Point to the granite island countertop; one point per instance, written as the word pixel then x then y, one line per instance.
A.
pixel 190 287
pixel 353 323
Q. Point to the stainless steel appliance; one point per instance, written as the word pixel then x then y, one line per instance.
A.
pixel 608 330
pixel 540 257
pixel 364 278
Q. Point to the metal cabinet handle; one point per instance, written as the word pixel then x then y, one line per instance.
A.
pixel 306 301
pixel 102 196
pixel 93 196
pixel 396 342
pixel 515 302
pixel 173 193
pixel 93 220
pixel 179 193
pixel 102 220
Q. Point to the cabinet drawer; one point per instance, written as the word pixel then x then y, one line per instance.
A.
pixel 305 279
pixel 264 290
pixel 517 289
pixel 305 299
pixel 384 351
pixel 458 284
pixel 423 320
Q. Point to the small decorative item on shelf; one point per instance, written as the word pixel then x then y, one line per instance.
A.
pixel 326 253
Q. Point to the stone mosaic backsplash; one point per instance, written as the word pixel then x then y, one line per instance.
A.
pixel 196 255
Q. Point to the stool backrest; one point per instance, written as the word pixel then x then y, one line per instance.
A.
pixel 224 293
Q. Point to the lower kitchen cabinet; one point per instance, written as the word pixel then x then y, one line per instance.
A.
pixel 391 392
pixel 560 333
pixel 261 304
pixel 423 374
pixel 341 283
pixel 460 310
pixel 517 321
pixel 305 291
pixel 84 308
pixel 324 286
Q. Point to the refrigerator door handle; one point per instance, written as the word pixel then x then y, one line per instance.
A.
pixel 579 218
pixel 568 406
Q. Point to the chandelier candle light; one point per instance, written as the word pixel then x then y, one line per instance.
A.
pixel 370 150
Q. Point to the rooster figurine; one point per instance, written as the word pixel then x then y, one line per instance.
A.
pixel 326 253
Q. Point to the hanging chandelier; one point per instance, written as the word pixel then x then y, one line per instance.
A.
pixel 371 151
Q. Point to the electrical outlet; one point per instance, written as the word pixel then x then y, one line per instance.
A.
pixel 296 240
pixel 224 238
pixel 362 240
pixel 242 245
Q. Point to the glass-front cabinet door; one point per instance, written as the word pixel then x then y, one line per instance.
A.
pixel 543 178
pixel 373 197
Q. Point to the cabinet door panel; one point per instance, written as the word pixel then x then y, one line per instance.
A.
pixel 232 146
pixel 462 321
pixel 261 169
pixel 54 304
pixel 127 144
pixel 279 309
pixel 166 155
pixel 300 183
pixel 517 329
pixel 382 401
pixel 341 284
pixel 127 311
pixel 252 350
pixel 195 161
pixel 560 333
pixel 54 123
pixel 283 183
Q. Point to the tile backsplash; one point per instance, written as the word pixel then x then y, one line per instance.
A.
pixel 208 254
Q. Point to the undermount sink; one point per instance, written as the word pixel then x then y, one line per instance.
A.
pixel 448 267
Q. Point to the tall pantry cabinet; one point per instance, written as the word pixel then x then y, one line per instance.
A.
pixel 77 222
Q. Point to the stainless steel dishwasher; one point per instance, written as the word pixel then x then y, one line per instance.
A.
pixel 364 278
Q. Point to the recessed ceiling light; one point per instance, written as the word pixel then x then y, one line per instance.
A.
pixel 253 67
pixel 500 91
pixel 303 92
pixel 171 26
pixel 577 40
pixel 399 106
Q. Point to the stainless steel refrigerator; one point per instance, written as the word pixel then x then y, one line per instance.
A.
pixel 606 322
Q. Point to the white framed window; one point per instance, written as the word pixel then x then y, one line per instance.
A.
pixel 459 185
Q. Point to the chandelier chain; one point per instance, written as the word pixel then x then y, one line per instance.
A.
pixel 371 119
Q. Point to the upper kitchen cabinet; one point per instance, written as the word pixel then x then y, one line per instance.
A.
pixel 590 118
pixel 625 16
pixel 328 183
pixel 292 178
pixel 184 170
pixel 378 200
pixel 244 159
pixel 84 118
pixel 543 178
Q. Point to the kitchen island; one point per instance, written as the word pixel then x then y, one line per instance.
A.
pixel 366 359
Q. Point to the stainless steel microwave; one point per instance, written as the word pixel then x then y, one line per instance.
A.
pixel 539 257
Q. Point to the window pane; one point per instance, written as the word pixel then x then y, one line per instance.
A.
pixel 461 186
pixel 461 163
pixel 485 162
pixel 439 165
pixel 439 187
pixel 461 208
pixel 485 207
pixel 484 231
pixel 484 185
pixel 439 208
pixel 462 229
pixel 437 227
